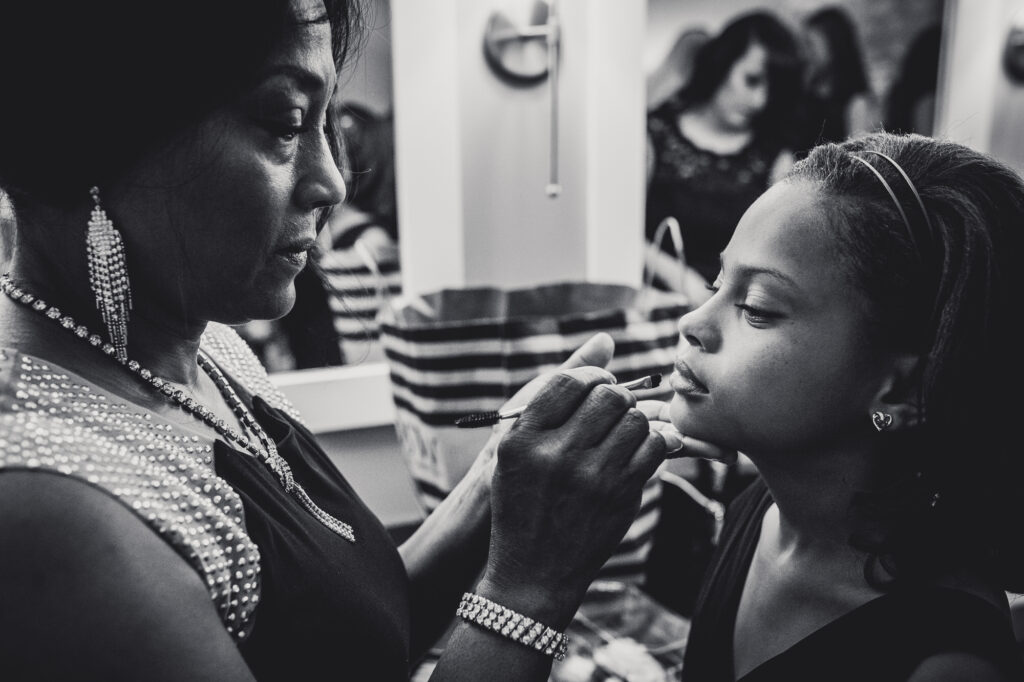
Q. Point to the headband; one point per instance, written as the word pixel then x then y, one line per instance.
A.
pixel 892 194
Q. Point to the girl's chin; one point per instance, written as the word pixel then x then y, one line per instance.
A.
pixel 682 416
pixel 687 420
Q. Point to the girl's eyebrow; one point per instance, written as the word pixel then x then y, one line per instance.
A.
pixel 748 271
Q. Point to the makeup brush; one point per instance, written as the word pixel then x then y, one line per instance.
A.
pixel 471 421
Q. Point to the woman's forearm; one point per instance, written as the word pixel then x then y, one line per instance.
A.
pixel 446 554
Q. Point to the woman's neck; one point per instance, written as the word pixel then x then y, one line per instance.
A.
pixel 164 345
pixel 707 131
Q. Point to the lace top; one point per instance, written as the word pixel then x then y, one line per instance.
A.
pixel 706 192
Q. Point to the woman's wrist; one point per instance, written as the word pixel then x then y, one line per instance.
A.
pixel 553 607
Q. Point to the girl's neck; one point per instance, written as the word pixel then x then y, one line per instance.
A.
pixel 814 495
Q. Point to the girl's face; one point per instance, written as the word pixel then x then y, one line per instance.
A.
pixel 744 93
pixel 219 223
pixel 777 359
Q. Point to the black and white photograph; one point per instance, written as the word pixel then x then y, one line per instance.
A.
pixel 526 340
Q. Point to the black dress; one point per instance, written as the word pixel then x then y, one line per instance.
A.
pixel 706 192
pixel 884 639
pixel 329 609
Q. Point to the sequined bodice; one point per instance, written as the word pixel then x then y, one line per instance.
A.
pixel 55 421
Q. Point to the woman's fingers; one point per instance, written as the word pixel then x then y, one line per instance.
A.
pixel 655 410
pixel 561 397
pixel 676 443
pixel 626 435
pixel 602 414
pixel 693 447
pixel 596 351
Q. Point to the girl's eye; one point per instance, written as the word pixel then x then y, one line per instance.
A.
pixel 757 316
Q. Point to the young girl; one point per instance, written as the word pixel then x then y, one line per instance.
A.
pixel 854 348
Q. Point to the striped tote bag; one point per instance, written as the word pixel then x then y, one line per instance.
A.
pixel 461 351
pixel 361 280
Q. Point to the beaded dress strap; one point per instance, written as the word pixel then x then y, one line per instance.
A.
pixel 234 355
pixel 56 422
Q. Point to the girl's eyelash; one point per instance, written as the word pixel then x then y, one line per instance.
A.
pixel 756 313
pixel 748 310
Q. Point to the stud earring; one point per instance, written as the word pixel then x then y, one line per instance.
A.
pixel 881 420
pixel 108 277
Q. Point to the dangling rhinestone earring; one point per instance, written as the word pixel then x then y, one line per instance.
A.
pixel 108 277
pixel 881 420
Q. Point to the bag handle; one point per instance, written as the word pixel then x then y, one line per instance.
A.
pixel 653 252
pixel 670 224
pixel 365 255
pixel 713 507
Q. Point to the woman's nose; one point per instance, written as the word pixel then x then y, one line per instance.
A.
pixel 323 184
pixel 759 98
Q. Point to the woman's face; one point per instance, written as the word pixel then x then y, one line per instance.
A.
pixel 219 223
pixel 777 360
pixel 819 62
pixel 744 92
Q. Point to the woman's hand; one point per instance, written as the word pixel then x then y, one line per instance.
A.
pixel 657 413
pixel 597 351
pixel 566 487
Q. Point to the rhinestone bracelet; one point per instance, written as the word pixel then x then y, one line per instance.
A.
pixel 515 626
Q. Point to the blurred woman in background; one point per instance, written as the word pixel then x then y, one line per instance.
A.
pixel 717 143
pixel 838 102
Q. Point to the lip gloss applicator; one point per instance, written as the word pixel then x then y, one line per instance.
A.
pixel 471 421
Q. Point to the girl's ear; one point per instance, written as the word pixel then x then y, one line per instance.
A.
pixel 898 396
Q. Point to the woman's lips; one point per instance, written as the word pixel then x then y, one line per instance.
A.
pixel 296 252
pixel 684 381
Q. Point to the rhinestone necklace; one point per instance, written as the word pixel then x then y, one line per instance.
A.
pixel 267 454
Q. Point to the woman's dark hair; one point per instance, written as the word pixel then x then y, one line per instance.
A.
pixel 947 289
pixel 847 64
pixel 917 78
pixel 89 88
pixel 715 59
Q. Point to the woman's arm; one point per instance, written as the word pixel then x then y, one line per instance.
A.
pixel 567 484
pixel 88 591
pixel 863 115
pixel 783 162
pixel 446 554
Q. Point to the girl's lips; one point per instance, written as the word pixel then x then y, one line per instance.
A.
pixel 685 382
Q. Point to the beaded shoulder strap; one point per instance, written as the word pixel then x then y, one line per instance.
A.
pixel 55 422
pixel 234 355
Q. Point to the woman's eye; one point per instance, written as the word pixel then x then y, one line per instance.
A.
pixel 289 126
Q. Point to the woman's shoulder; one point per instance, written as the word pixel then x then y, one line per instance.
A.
pixel 959 666
pixel 56 425
pixel 233 354
pixel 87 573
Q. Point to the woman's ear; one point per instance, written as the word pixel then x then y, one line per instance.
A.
pixel 898 397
